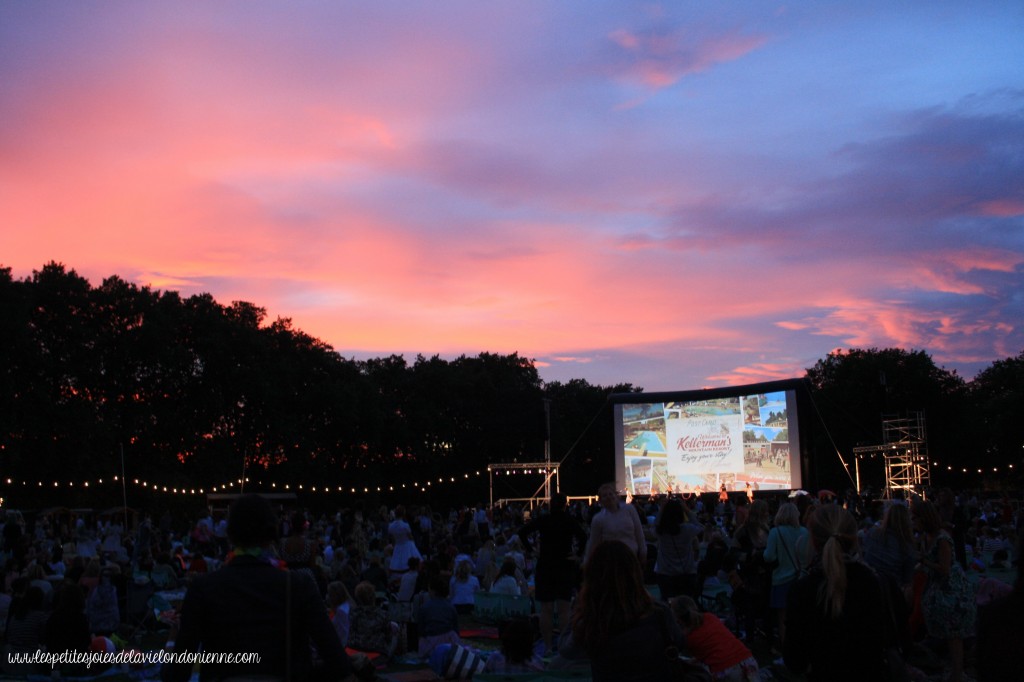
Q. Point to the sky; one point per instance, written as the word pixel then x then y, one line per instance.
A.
pixel 672 195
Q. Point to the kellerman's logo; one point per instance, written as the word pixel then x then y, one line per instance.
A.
pixel 705 442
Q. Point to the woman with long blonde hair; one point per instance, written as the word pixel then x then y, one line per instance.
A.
pixel 838 622
pixel 788 548
pixel 463 587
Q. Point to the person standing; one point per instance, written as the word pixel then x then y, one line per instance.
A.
pixel 556 571
pixel 750 576
pixel 789 549
pixel 482 519
pixel 617 521
pixel 889 547
pixel 404 545
pixel 678 546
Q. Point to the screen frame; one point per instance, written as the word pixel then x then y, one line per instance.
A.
pixel 794 389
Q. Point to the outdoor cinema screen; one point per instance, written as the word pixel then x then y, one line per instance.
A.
pixel 697 441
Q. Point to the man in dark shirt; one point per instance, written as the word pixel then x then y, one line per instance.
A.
pixel 250 606
pixel 557 564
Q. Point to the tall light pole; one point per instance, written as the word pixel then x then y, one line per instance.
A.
pixel 547 448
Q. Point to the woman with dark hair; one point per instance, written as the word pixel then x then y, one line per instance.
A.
pixel 675 568
pixel 621 628
pixel 838 622
pixel 507 582
pixel 948 601
pixel 750 577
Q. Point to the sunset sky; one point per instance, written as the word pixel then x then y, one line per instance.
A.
pixel 674 195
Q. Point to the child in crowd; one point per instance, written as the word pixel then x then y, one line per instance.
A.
pixel 710 642
pixel 517 652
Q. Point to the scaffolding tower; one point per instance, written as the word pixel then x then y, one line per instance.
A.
pixel 904 449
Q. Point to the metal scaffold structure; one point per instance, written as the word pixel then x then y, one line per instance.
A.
pixel 905 452
pixel 546 469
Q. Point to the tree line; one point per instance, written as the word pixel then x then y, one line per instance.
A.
pixel 100 379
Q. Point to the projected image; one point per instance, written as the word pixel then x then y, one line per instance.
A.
pixel 651 476
pixel 646 443
pixel 700 445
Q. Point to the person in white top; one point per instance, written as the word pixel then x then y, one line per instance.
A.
pixel 617 521
pixel 463 587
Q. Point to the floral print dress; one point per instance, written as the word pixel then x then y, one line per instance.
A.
pixel 948 602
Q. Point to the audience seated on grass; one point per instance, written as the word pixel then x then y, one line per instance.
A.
pixel 436 619
pixel 369 627
pixel 506 582
pixel 463 586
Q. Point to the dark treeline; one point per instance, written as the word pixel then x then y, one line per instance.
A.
pixel 191 393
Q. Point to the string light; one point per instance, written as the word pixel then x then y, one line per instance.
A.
pixel 256 486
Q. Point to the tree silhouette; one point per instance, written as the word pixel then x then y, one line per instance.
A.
pixel 195 393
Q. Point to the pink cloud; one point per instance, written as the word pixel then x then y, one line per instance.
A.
pixel 659 58
pixel 975 258
pixel 569 358
pixel 759 372
pixel 951 271
pixel 869 323
pixel 1003 208
pixel 863 323
pixel 160 281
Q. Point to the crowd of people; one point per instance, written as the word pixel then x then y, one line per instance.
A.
pixel 825 587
